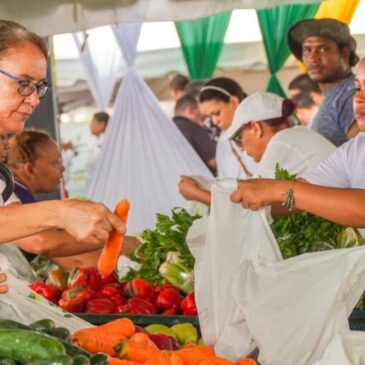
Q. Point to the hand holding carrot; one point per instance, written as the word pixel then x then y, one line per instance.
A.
pixel 112 248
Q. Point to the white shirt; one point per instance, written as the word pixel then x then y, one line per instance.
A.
pixel 345 168
pixel 296 150
pixel 228 165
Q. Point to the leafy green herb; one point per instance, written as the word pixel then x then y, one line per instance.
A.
pixel 169 235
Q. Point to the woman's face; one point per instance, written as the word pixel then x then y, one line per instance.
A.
pixel 47 169
pixel 359 97
pixel 24 61
pixel 220 111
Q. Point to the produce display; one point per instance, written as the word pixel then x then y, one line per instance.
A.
pixel 118 342
pixel 85 291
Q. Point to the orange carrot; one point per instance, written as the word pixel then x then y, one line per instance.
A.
pixel 137 352
pixel 222 361
pixel 193 355
pixel 93 343
pixel 246 361
pixel 111 250
pixel 175 359
pixel 116 361
pixel 121 326
pixel 104 337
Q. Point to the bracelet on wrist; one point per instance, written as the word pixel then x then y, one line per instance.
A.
pixel 289 201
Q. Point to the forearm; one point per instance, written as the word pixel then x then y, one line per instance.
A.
pixel 343 206
pixel 203 196
pixel 88 259
pixel 54 244
pixel 17 221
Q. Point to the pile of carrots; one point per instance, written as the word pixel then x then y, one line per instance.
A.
pixel 124 346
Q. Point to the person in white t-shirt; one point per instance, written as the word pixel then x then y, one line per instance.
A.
pixel 261 127
pixel 334 190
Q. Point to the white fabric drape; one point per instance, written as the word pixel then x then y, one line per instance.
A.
pixel 47 17
pixel 143 154
pixel 127 36
pixel 100 60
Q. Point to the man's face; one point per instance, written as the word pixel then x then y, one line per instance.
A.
pixel 324 60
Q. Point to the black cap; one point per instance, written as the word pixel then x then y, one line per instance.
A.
pixel 327 28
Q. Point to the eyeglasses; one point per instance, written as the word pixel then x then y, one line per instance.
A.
pixel 27 88
pixel 237 137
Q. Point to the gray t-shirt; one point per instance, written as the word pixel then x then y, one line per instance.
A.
pixel 335 115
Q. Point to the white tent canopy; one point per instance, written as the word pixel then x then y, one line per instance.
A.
pixel 47 17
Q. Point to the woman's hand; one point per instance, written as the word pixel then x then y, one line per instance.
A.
pixel 89 222
pixel 258 193
pixel 3 287
pixel 189 188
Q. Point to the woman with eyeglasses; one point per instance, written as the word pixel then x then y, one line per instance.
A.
pixel 334 190
pixel 262 127
pixel 23 64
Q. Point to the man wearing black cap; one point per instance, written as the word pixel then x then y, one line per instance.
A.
pixel 328 51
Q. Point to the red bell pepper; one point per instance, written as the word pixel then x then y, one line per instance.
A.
pixel 109 279
pixel 138 288
pixel 85 277
pixel 188 305
pixel 100 305
pixel 137 305
pixel 107 291
pixel 74 299
pixel 49 292
pixel 58 278
pixel 167 298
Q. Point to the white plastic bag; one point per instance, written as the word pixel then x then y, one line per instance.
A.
pixel 219 244
pixel 21 304
pixel 12 261
pixel 297 310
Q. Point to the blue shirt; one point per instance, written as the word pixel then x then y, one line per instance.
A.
pixel 336 115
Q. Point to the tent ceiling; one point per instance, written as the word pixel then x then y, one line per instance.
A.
pixel 47 17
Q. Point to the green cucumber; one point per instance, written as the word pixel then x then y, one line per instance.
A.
pixel 80 360
pixel 56 360
pixel 99 359
pixel 59 332
pixel 43 325
pixel 25 345
pixel 73 350
pixel 8 323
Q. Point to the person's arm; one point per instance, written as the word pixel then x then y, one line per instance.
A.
pixel 190 190
pixel 84 220
pixel 340 205
pixel 54 244
pixel 90 259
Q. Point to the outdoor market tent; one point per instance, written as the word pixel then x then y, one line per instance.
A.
pixel 47 17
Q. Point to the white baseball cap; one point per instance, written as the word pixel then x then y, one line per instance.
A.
pixel 256 107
